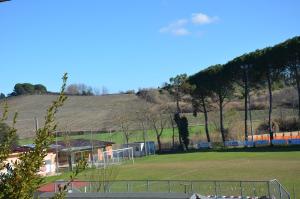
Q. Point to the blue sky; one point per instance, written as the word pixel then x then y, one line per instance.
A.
pixel 131 44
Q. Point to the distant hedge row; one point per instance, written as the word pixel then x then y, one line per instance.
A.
pixel 27 88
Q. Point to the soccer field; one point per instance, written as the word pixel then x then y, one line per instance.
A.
pixel 282 164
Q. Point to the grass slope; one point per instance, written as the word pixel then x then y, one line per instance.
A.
pixel 136 136
pixel 98 112
pixel 78 112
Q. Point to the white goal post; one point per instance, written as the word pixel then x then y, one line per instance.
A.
pixel 114 157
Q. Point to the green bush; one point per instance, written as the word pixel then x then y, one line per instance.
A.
pixel 264 127
pixel 27 88
pixel 4 133
pixel 288 124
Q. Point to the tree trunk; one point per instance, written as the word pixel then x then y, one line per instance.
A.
pixel 127 140
pixel 144 139
pixel 298 88
pixel 159 143
pixel 177 105
pixel 176 119
pixel 205 119
pixel 173 129
pixel 250 116
pixel 246 102
pixel 221 120
pixel 177 100
pixel 270 106
pixel 70 161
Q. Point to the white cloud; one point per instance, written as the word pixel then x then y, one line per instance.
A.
pixel 180 32
pixel 176 28
pixel 179 27
pixel 200 19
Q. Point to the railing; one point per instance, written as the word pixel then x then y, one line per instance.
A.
pixel 277 190
pixel 213 189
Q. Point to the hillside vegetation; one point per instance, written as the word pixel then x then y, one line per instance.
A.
pixel 84 113
pixel 78 112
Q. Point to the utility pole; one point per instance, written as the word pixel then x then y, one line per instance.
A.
pixel 92 158
pixel 56 147
pixel 250 117
pixel 36 123
pixel 110 138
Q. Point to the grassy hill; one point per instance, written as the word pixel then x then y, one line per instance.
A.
pixel 85 113
pixel 78 112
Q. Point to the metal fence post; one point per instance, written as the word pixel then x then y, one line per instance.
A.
pixel 294 191
pixel 216 192
pixel 169 186
pixel 241 187
pixel 147 185
pixel 254 190
pixel 269 190
pixel 127 186
pixel 280 191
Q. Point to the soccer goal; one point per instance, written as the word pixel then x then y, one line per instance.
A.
pixel 114 157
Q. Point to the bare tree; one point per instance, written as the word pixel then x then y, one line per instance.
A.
pixel 124 122
pixel 170 113
pixel 96 91
pixel 158 121
pixel 79 89
pixel 72 89
pixel 104 91
pixel 142 118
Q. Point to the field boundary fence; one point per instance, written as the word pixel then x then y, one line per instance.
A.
pixel 211 189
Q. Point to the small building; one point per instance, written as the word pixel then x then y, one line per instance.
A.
pixel 142 148
pixel 49 167
pixel 70 152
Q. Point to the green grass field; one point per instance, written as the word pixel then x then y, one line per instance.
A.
pixel 136 136
pixel 196 130
pixel 233 164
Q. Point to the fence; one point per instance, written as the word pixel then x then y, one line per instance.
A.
pixel 212 189
pixel 277 190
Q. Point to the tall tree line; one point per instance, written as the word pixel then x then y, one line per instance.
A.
pixel 246 73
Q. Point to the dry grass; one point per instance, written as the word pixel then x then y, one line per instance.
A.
pixel 98 112
pixel 78 113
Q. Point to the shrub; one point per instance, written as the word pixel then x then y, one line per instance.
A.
pixel 27 88
pixel 4 133
pixel 264 127
pixel 288 124
pixel 258 106
pixel 2 96
pixel 154 96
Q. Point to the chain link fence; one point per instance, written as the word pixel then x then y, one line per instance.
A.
pixel 211 189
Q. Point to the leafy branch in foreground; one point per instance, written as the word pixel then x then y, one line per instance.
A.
pixel 63 188
pixel 5 145
pixel 22 179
